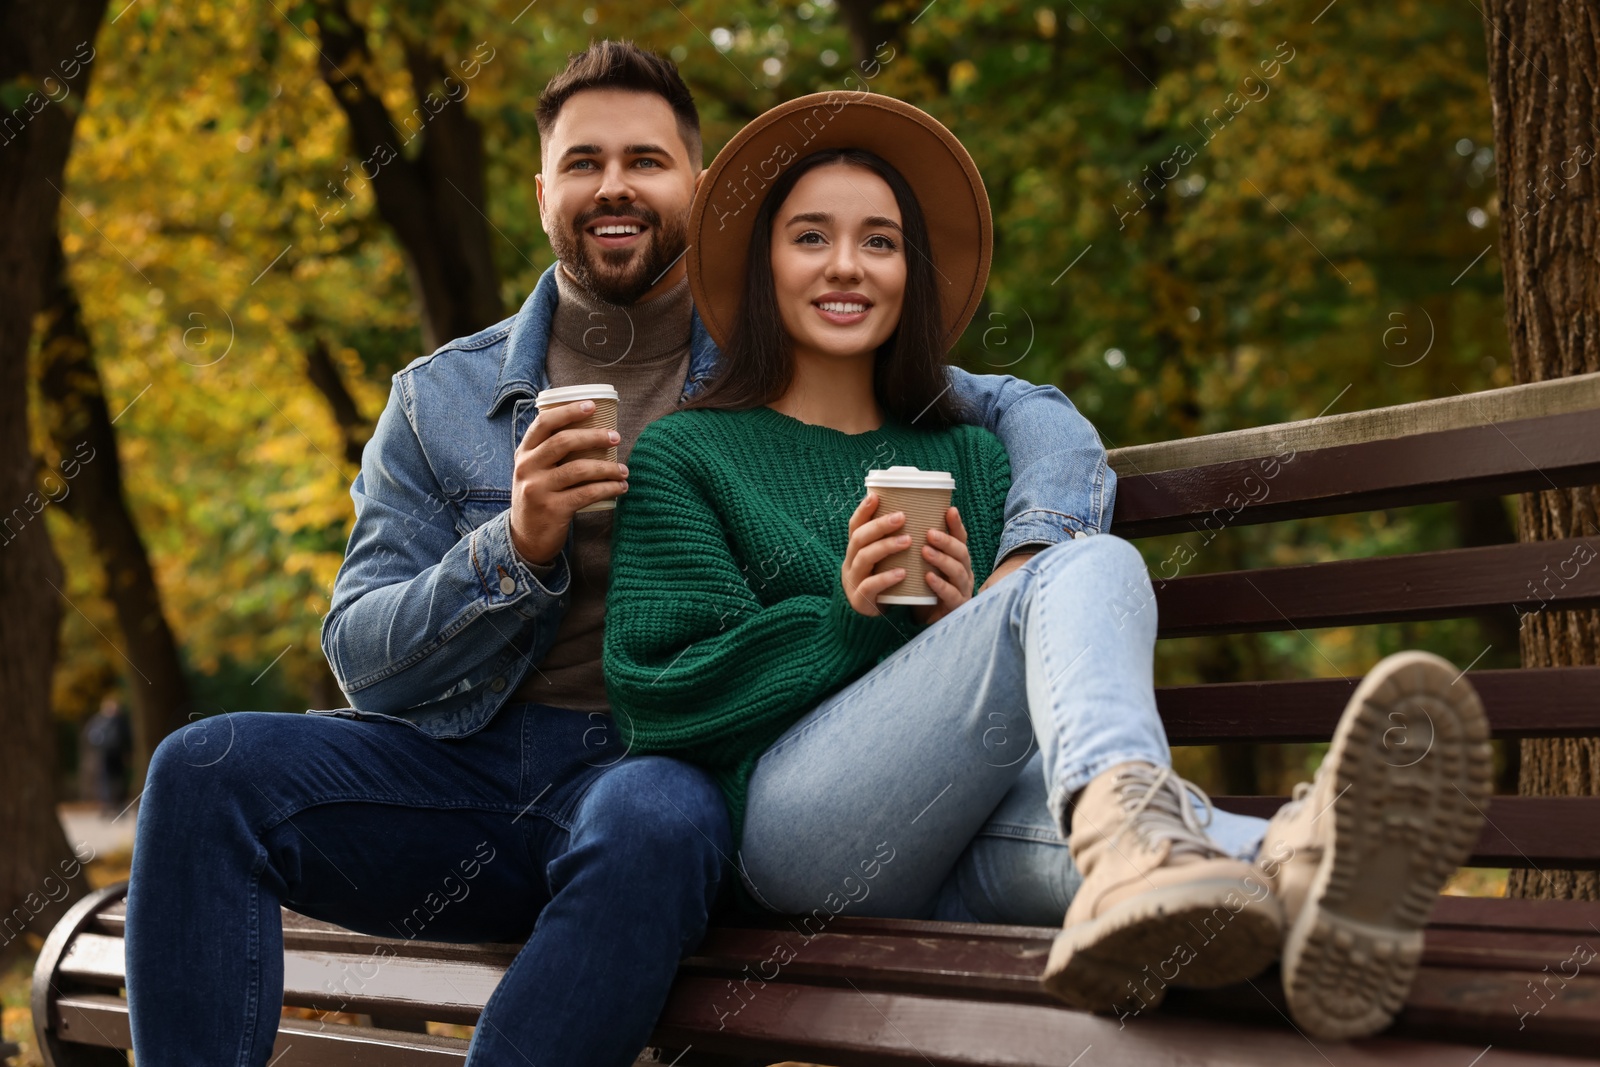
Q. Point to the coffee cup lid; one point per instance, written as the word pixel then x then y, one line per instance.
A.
pixel 909 478
pixel 566 394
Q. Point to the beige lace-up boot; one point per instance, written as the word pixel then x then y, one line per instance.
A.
pixel 1161 903
pixel 1359 855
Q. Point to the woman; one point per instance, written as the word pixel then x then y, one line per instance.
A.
pixel 862 748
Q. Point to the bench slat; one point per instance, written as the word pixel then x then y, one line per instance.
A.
pixel 1510 950
pixel 959 957
pixel 852 1026
pixel 950 968
pixel 1527 702
pixel 440 990
pixel 301 932
pixel 1560 832
pixel 893 954
pixel 94 959
pixel 1513 403
pixel 1498 1008
pixel 1429 585
pixel 1476 1007
pixel 1494 460
pixel 988 969
pixel 102 1020
pixel 1492 913
pixel 452 991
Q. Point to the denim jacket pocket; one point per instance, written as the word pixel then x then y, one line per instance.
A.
pixel 478 507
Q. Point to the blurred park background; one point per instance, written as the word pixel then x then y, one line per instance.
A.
pixel 1210 215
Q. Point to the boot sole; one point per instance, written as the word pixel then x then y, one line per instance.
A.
pixel 1413 768
pixel 1125 959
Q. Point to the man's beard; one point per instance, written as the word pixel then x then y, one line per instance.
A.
pixel 620 275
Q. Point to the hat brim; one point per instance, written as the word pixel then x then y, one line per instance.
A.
pixel 938 168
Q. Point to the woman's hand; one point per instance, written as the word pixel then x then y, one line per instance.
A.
pixel 949 574
pixel 871 540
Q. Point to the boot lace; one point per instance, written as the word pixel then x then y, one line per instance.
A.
pixel 1162 807
pixel 1297 797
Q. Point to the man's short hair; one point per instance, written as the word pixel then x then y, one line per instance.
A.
pixel 610 64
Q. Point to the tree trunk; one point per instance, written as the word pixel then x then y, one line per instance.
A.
pixel 1544 80
pixel 434 202
pixel 354 428
pixel 868 32
pixel 76 416
pixel 44 46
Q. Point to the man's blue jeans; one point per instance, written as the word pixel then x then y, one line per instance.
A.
pixel 532 828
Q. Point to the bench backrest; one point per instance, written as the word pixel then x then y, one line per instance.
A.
pixel 1520 439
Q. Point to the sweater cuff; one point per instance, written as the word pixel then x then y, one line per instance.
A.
pixel 865 638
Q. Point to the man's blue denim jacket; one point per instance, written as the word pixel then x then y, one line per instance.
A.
pixel 435 618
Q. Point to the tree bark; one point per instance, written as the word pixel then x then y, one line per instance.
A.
pixel 867 30
pixel 435 202
pixel 80 425
pixel 1544 81
pixel 354 428
pixel 38 41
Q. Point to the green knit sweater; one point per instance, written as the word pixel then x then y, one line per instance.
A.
pixel 726 620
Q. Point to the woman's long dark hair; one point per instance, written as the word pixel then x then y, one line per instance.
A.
pixel 909 372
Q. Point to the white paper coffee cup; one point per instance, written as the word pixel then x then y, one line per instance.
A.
pixel 604 417
pixel 924 496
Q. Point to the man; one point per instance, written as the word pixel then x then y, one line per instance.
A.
pixel 477 789
pixel 103 757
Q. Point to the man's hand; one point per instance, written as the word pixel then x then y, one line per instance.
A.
pixel 546 492
pixel 1007 565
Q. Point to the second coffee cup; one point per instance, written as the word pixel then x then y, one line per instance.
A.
pixel 924 496
pixel 604 417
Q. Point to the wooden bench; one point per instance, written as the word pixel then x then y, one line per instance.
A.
pixel 1502 981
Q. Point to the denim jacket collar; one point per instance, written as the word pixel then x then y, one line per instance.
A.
pixel 522 371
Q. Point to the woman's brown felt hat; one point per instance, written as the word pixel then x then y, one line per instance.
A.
pixel 927 155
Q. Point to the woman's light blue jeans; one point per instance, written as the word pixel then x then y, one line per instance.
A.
pixel 938 784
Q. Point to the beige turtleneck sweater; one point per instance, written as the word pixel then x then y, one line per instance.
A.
pixel 643 351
